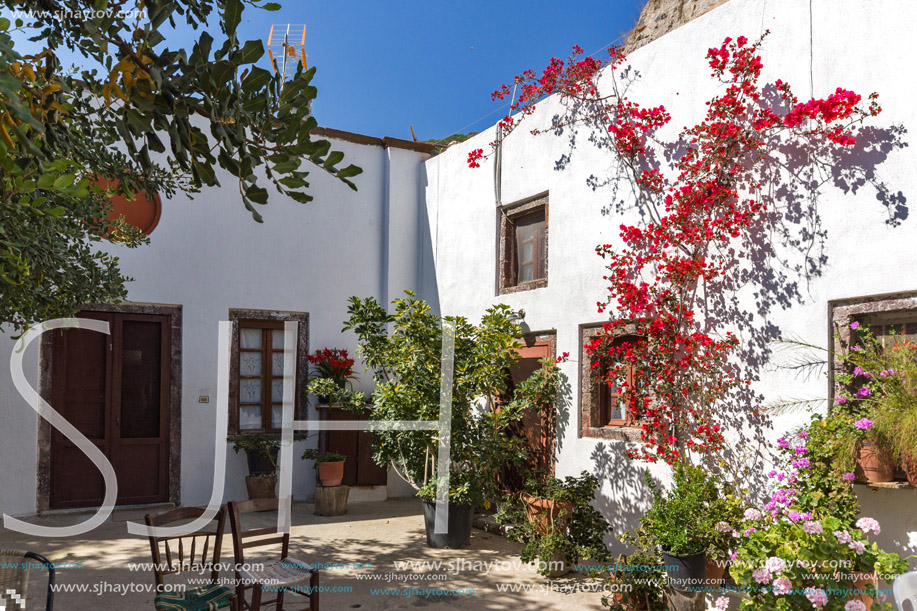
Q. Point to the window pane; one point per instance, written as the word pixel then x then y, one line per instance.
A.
pixel 277 367
pixel 277 339
pixel 530 246
pixel 250 391
pixel 250 363
pixel 277 389
pixel 618 409
pixel 276 416
pixel 250 338
pixel 250 417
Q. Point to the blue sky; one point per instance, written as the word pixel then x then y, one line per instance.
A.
pixel 384 66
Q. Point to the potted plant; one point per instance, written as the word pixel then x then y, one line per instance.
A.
pixel 261 454
pixel 683 523
pixel 403 349
pixel 329 465
pixel 635 582
pixel 331 394
pixel 559 526
pixel 331 364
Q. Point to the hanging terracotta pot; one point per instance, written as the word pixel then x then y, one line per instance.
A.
pixel 873 465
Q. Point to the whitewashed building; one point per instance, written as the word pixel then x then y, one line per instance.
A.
pixel 437 227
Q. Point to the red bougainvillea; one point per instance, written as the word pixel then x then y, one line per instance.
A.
pixel 667 265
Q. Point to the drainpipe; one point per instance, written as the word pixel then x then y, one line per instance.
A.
pixel 386 212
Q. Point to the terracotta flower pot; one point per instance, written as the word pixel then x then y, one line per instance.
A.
pixel 873 465
pixel 331 473
pixel 714 571
pixel 861 584
pixel 909 466
pixel 544 512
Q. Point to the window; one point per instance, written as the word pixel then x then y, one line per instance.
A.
pixel 260 375
pixel 256 369
pixel 604 409
pixel 524 245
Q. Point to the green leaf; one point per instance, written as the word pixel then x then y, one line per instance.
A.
pixel 271 6
pixel 232 15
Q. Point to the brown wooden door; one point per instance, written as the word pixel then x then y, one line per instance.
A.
pixel 537 430
pixel 359 468
pixel 115 390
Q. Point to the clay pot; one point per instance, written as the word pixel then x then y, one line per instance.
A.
pixel 861 583
pixel 544 512
pixel 714 571
pixel 909 466
pixel 560 564
pixel 331 473
pixel 873 465
pixel 261 486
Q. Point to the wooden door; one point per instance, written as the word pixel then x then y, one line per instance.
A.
pixel 359 468
pixel 536 429
pixel 115 390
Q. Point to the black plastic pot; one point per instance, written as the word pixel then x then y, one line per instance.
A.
pixel 460 518
pixel 685 571
pixel 259 464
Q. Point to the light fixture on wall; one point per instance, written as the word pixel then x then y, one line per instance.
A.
pixel 517 315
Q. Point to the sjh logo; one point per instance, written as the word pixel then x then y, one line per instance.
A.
pixel 13 597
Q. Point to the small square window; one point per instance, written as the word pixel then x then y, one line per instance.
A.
pixel 605 410
pixel 524 246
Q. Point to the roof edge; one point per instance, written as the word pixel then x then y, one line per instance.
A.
pixel 385 142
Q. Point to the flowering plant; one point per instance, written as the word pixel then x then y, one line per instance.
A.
pixel 796 561
pixel 668 268
pixel 332 363
pixel 878 395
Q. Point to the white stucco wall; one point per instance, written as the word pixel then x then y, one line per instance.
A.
pixel 208 255
pixel 863 46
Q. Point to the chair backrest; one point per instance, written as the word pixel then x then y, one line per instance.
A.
pixel 256 537
pixel 179 562
pixel 905 590
pixel 14 577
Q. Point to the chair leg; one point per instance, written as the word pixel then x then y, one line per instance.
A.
pixel 279 600
pixel 256 597
pixel 313 594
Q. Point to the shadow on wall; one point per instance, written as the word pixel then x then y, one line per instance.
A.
pixel 772 267
pixel 631 495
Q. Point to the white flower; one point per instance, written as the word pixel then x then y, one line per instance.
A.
pixel 813 527
pixel 869 525
pixel 857 546
pixel 775 564
pixel 855 605
pixel 843 536
pixel 722 603
pixel 762 576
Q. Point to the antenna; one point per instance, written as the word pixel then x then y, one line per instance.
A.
pixel 286 46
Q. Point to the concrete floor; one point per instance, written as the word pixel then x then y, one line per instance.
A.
pixel 378 534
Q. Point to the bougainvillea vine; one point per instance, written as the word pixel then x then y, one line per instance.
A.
pixel 660 274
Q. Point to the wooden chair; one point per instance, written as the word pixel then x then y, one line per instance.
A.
pixel 202 598
pixel 281 575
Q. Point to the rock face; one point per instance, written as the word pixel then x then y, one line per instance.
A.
pixel 660 17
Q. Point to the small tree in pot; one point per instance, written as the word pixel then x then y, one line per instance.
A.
pixel 403 349
pixel 261 453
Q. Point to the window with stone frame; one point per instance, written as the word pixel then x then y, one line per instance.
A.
pixel 604 409
pixel 523 261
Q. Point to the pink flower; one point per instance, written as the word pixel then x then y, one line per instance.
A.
pixel 864 424
pixel 843 536
pixel 842 399
pixel 752 514
pixel 854 325
pixel 775 564
pixel 722 603
pixel 817 597
pixel 850 476
pixel 813 528
pixel 869 525
pixel 762 576
pixel 858 546
pixel 782 585
pixel 783 443
pixel 863 393
pixel 723 527
pixel 855 605
pixel 800 450
pixel 803 434
pixel 793 516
